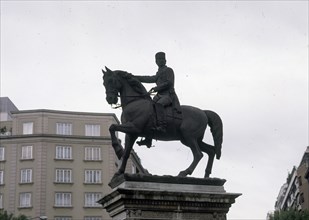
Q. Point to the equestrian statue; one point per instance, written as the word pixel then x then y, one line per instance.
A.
pixel 160 118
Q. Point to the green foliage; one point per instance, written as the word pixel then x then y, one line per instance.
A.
pixel 290 215
pixel 4 215
pixel 3 130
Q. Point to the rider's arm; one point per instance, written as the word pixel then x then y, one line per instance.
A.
pixel 147 79
pixel 167 83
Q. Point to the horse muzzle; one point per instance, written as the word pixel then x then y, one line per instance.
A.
pixel 112 100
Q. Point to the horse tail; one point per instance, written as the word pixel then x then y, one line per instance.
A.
pixel 216 128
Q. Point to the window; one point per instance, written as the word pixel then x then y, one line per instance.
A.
pixel 28 128
pixel 1 201
pixel 63 218
pixel 24 200
pixel 93 176
pixel 63 176
pixel 2 158
pixel 26 176
pixel 92 130
pixel 63 199
pixel 91 199
pixel 26 152
pixel 92 153
pixel 1 177
pixel 302 198
pixel 64 152
pixel 93 218
pixel 64 128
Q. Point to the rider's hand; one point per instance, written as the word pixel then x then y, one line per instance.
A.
pixel 151 91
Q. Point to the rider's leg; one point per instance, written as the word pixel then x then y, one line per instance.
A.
pixel 160 105
pixel 161 126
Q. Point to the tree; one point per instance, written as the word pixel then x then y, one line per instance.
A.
pixel 290 215
pixel 4 215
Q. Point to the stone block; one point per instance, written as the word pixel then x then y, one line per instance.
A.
pixel 140 197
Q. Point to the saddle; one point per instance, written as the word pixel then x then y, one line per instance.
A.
pixel 172 118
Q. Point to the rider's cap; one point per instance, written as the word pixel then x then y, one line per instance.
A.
pixel 160 54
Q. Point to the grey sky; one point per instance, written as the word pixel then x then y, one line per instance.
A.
pixel 246 60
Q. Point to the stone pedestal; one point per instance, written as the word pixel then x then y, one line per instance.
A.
pixel 165 197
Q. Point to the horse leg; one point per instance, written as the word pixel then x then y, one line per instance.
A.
pixel 197 156
pixel 129 142
pixel 125 128
pixel 115 142
pixel 211 151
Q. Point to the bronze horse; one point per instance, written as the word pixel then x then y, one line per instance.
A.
pixel 137 118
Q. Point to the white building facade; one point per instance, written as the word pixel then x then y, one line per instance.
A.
pixel 57 163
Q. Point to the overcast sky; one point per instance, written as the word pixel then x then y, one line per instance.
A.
pixel 245 60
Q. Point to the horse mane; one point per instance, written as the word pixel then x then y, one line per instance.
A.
pixel 136 84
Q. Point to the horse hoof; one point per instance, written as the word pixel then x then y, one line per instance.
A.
pixel 206 175
pixel 117 174
pixel 182 174
pixel 218 154
pixel 115 179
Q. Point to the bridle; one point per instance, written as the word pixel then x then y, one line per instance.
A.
pixel 115 92
pixel 117 105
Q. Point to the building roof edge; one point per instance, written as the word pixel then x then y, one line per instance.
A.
pixel 66 112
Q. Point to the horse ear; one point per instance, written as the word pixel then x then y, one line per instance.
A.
pixel 108 70
pixel 103 72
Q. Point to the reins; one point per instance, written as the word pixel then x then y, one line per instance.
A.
pixel 134 96
pixel 130 96
pixel 116 106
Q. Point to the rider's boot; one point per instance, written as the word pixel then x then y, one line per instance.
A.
pixel 161 123
pixel 146 141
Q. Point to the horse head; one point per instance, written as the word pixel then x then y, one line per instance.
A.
pixel 124 85
pixel 112 86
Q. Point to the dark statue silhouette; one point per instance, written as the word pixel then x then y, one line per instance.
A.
pixel 165 95
pixel 184 123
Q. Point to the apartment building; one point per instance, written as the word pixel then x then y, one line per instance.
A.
pixel 294 194
pixel 302 175
pixel 56 163
pixel 290 193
